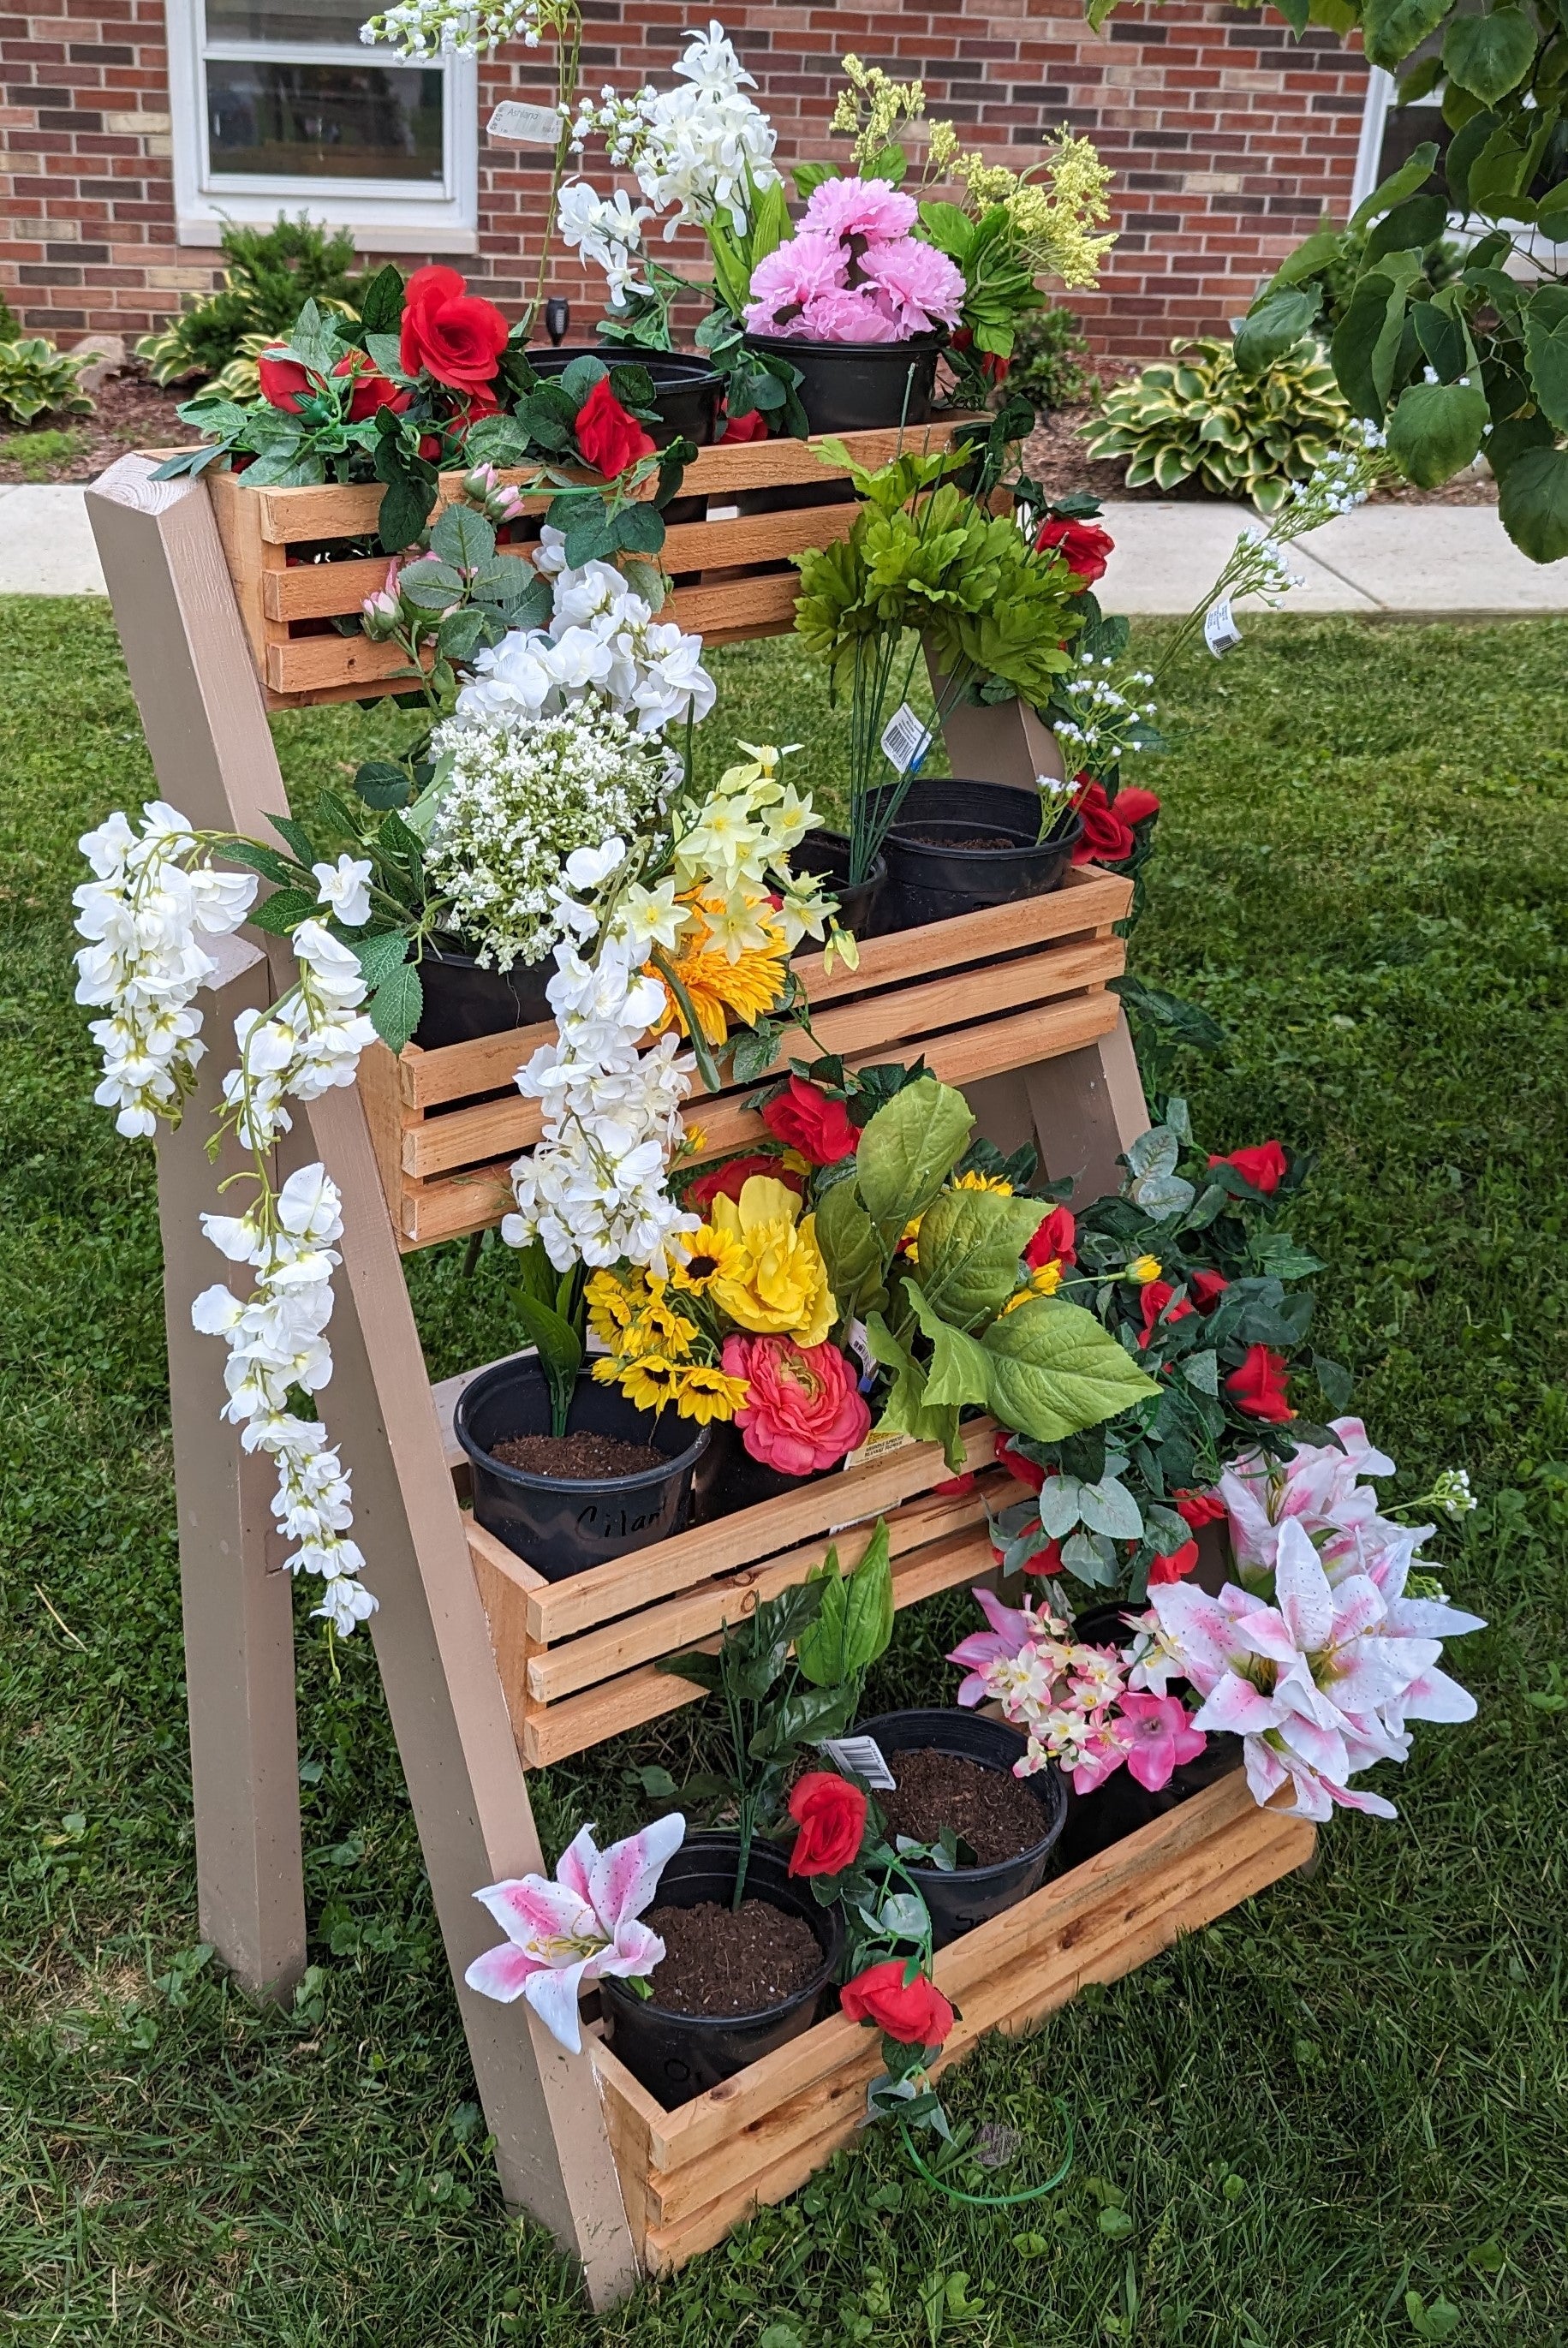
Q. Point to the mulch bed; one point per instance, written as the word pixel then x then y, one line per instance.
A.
pixel 131 412
pixel 719 1961
pixel 990 1810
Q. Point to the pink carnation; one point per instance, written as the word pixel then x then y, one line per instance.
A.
pixel 804 1409
pixel 870 208
pixel 846 318
pixel 807 266
pixel 920 286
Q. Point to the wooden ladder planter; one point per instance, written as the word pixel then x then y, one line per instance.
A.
pixel 691 2174
pixel 299 561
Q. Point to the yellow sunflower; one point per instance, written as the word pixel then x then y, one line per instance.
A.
pixel 648 1380
pixel 614 1304
pixel 705 1394
pixel 710 1254
pixel 784 1284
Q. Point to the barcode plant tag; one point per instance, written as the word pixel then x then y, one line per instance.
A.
pixel 906 740
pixel 859 1756
pixel 516 124
pixel 1221 632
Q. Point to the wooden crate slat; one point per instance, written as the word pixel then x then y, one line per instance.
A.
pixel 349 665
pixel 740 607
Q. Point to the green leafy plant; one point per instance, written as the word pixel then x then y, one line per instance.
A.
pixel 269 276
pixel 36 379
pixel 1244 428
pixel 1048 346
pixel 10 325
pixel 549 1305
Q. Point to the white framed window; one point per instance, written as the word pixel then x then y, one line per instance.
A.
pixel 277 106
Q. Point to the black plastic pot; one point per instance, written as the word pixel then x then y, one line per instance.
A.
pixel 860 387
pixel 686 391
pixel 679 2055
pixel 727 1478
pixel 563 1527
pixel 1121 1805
pixel 973 1895
pixel 929 881
pixel 463 1000
pixel 827 853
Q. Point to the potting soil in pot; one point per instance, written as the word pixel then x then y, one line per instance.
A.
pixel 718 1960
pixel 583 1457
pixel 993 1814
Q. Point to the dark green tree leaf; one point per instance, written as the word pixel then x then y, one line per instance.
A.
pixel 1489 55
pixel 1532 500
pixel 394 1009
pixel 1436 429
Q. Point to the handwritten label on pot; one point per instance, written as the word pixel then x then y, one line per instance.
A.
pixel 1221 632
pixel 859 1756
pixel 516 124
pixel 906 740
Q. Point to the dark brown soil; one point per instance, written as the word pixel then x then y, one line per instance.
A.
pixel 579 1458
pixel 990 1810
pixel 131 412
pixel 994 842
pixel 718 1962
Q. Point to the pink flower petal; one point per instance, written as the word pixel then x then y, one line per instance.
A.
pixel 626 1877
pixel 531 1907
pixel 501 1973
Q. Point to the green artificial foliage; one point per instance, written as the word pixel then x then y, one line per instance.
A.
pixel 36 379
pixel 269 274
pixel 1242 434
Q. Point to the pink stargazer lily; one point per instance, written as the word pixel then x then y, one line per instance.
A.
pixel 559 1935
pixel 1011 1630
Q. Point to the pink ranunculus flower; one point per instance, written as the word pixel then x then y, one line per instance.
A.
pixel 873 209
pixel 803 1408
pixel 561 1935
pixel 922 287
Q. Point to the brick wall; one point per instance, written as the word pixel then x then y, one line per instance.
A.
pixel 1227 137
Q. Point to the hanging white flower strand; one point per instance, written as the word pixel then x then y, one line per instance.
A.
pixel 152 894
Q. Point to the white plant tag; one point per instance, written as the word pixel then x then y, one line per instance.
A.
pixel 1221 632
pixel 862 1757
pixel 515 124
pixel 876 1448
pixel 906 740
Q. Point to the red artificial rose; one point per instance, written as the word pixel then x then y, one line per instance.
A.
pixel 1259 1386
pixel 808 1119
pixel 1264 1166
pixel 916 2015
pixel 1085 548
pixel 1054 1242
pixel 451 334
pixel 284 383
pixel 831 1816
pixel 1152 1300
pixel 371 388
pixel 753 426
pixel 1171 1569
pixel 1108 826
pixel 1207 1288
pixel 1045 1560
pixel 1028 1471
pixel 608 438
pixel 1199 1508
pixel 955 1486
pixel 729 1178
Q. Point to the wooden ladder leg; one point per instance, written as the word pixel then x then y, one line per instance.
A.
pixel 235 1598
pixel 206 728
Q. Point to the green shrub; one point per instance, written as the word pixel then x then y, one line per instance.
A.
pixel 36 379
pixel 1047 349
pixel 1243 436
pixel 10 325
pixel 269 276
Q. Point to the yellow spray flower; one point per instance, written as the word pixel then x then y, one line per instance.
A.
pixel 784 1287
pixel 705 1394
pixel 709 1252
pixel 1143 1269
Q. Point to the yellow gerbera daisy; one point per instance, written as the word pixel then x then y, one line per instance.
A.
pixel 784 1285
pixel 710 1253
pixel 719 988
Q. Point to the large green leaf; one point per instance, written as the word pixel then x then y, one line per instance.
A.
pixel 1056 1370
pixel 970 1243
pixel 1366 340
pixel 1409 225
pixel 1411 174
pixel 1274 325
pixel 852 1250
pixel 855 1620
pixel 909 1148
pixel 1532 500
pixel 1546 353
pixel 906 1410
pixel 1436 429
pixel 1392 28
pixel 1489 55
pixel 960 1370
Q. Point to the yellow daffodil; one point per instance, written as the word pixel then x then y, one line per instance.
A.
pixel 1143 1269
pixel 709 1254
pixel 705 1394
pixel 784 1286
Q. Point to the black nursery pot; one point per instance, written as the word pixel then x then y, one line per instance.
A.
pixel 1121 1805
pixel 860 387
pixel 463 1000
pixel 561 1526
pixel 728 1478
pixel 930 879
pixel 679 2055
pixel 973 1895
pixel 827 853
pixel 687 389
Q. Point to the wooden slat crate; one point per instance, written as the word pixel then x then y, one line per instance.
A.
pixel 296 568
pixel 983 995
pixel 689 2175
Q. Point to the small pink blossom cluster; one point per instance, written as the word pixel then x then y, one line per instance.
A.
pixel 1073 1700
pixel 854 274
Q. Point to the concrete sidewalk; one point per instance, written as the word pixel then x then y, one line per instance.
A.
pixel 1413 561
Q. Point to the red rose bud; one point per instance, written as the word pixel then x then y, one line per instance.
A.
pixel 1152 1300
pixel 607 437
pixel 1199 1508
pixel 1054 1242
pixel 1085 549
pixel 728 1180
pixel 454 336
pixel 753 426
pixel 1207 1288
pixel 1259 1386
pixel 806 1118
pixel 1264 1166
pixel 284 383
pixel 1171 1569
pixel 1028 1471
pixel 916 2015
pixel 1108 826
pixel 831 1816
pixel 1046 1560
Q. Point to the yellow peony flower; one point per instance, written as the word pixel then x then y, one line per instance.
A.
pixel 709 1254
pixel 784 1287
pixel 705 1394
pixel 1143 1269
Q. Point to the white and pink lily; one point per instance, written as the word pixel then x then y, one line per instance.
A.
pixel 561 1935
pixel 1319 1486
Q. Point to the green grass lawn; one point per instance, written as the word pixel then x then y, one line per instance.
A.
pixel 1349 2089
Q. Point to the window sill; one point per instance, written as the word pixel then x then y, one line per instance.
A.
pixel 372 236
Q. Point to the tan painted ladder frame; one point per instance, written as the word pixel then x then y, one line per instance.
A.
pixel 207 733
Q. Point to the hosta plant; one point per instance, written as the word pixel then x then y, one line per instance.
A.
pixel 36 379
pixel 1244 435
